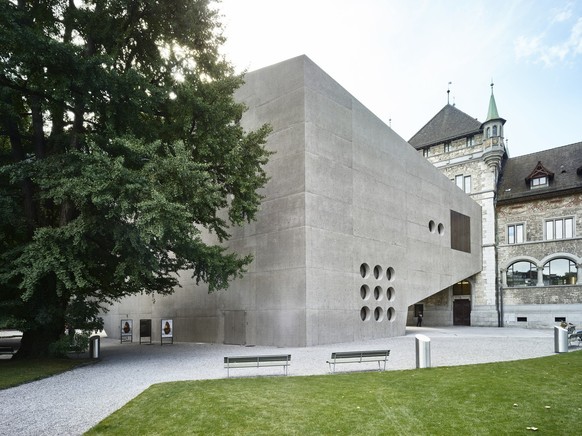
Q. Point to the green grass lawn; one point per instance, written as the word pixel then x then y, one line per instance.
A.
pixel 16 372
pixel 488 399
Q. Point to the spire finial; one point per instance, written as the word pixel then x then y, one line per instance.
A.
pixel 492 85
pixel 449 91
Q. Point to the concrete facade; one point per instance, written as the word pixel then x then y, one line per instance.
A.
pixel 355 226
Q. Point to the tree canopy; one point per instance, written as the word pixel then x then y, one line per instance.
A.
pixel 120 142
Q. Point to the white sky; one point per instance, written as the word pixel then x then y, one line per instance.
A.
pixel 398 56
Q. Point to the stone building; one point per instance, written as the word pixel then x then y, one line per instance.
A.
pixel 521 199
pixel 539 234
pixel 355 226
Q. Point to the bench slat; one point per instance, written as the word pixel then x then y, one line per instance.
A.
pixel 358 357
pixel 283 360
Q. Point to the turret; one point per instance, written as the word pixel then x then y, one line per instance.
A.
pixel 493 140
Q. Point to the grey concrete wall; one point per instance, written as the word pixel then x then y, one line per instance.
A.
pixel 345 190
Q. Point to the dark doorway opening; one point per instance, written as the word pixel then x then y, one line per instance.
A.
pixel 462 312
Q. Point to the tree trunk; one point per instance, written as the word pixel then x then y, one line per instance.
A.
pixel 37 343
pixel 49 321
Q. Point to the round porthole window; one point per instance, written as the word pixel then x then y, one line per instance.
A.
pixel 378 294
pixel 378 314
pixel 390 294
pixel 390 274
pixel 365 292
pixel 391 314
pixel 364 270
pixel 378 272
pixel 365 313
pixel 431 226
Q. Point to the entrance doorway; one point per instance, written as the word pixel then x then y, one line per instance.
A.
pixel 462 303
pixel 462 312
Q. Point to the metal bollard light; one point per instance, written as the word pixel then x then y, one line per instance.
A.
pixel 422 351
pixel 560 340
pixel 94 347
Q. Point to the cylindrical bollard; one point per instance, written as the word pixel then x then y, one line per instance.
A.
pixel 560 340
pixel 94 346
pixel 422 351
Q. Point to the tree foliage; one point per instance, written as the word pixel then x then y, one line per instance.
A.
pixel 119 143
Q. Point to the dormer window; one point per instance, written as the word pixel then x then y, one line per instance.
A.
pixel 540 177
pixel 447 147
pixel 539 182
pixel 470 141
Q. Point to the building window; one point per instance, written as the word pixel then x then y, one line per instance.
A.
pixel 463 182
pixel 522 274
pixel 425 152
pixel 447 147
pixel 560 272
pixel 494 130
pixel 470 141
pixel 488 132
pixel 515 233
pixel 539 182
pixel 560 228
pixel 462 288
pixel 460 232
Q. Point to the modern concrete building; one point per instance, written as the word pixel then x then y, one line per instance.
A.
pixel 354 228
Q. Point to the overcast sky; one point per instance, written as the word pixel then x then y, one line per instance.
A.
pixel 397 57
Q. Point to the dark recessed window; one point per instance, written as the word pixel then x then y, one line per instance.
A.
pixel 460 229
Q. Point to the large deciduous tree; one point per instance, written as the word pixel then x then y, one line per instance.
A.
pixel 119 143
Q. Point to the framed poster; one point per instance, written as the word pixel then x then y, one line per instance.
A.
pixel 145 330
pixel 127 330
pixel 167 331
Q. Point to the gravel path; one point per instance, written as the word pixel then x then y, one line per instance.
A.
pixel 73 402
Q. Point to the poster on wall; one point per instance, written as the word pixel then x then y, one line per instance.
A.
pixel 127 330
pixel 167 331
pixel 145 331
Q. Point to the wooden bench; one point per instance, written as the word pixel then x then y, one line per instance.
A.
pixel 358 357
pixel 6 350
pixel 573 335
pixel 283 360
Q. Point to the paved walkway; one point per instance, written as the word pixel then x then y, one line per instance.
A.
pixel 73 402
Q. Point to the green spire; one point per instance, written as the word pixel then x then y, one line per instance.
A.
pixel 492 114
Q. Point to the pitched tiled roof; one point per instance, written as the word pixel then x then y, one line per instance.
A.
pixel 450 123
pixel 564 162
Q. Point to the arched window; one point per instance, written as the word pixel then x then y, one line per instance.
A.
pixel 488 132
pixel 494 130
pixel 522 273
pixel 560 272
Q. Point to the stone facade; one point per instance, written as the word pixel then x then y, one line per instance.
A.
pixel 465 150
pixel 465 156
pixel 542 304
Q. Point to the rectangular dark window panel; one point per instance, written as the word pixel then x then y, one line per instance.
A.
pixel 522 319
pixel 560 319
pixel 460 232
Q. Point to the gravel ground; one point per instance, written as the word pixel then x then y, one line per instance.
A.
pixel 73 402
